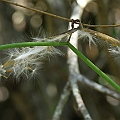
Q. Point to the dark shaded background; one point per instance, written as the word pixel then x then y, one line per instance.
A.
pixel 36 99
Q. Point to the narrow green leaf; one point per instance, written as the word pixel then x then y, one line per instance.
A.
pixel 95 68
pixel 30 44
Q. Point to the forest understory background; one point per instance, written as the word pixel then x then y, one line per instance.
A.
pixel 37 99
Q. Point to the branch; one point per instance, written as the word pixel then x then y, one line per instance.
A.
pixel 62 101
pixel 95 68
pixel 98 87
pixel 73 70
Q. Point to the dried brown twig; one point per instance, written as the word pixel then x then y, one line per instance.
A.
pixel 105 37
pixel 73 66
pixel 59 17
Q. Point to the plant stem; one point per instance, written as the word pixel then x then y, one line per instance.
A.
pixel 95 68
pixel 79 54
pixel 30 44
